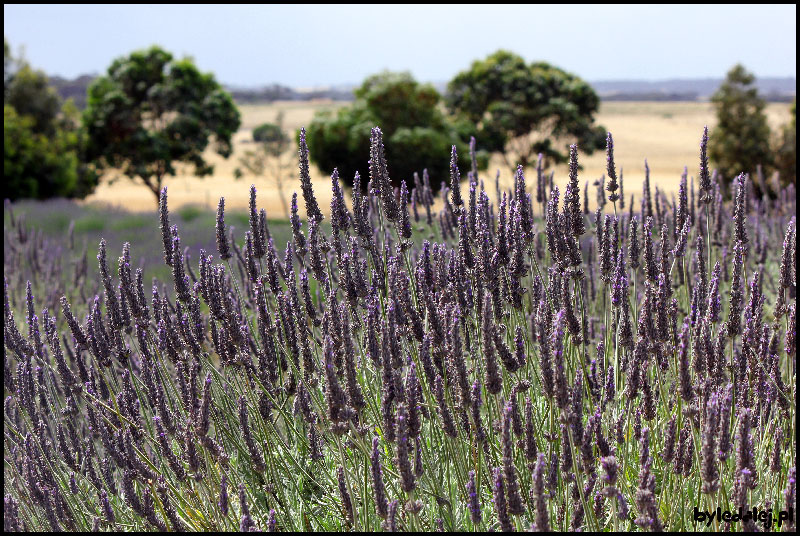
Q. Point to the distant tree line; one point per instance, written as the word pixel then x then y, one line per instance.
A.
pixel 651 96
pixel 73 88
pixel 77 88
pixel 276 92
pixel 690 96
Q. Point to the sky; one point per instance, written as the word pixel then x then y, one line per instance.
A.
pixel 312 46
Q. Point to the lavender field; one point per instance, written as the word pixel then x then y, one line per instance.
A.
pixel 509 361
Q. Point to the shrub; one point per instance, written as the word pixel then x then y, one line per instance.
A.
pixel 270 134
pixel 410 119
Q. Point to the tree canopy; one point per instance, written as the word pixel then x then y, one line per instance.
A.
pixel 417 134
pixel 151 111
pixel 741 140
pixel 44 146
pixel 521 109
pixel 30 95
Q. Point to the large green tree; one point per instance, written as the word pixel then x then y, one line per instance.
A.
pixel 9 63
pixel 740 141
pixel 417 134
pixel 44 146
pixel 151 111
pixel 522 109
pixel 35 166
pixel 31 95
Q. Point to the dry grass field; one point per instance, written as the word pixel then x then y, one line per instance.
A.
pixel 667 134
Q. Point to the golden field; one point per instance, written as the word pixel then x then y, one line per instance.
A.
pixel 667 134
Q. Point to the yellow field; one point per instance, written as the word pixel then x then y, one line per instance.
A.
pixel 667 134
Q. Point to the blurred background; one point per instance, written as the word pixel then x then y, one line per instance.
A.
pixel 105 105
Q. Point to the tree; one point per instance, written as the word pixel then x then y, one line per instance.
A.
pixel 740 141
pixel 416 133
pixel 44 144
pixel 35 166
pixel 786 154
pixel 150 111
pixel 31 95
pixel 8 67
pixel 523 109
pixel 269 156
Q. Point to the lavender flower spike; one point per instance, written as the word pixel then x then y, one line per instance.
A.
pixel 222 238
pixel 163 213
pixel 612 185
pixel 455 181
pixel 312 208
pixel 705 180
pixel 473 500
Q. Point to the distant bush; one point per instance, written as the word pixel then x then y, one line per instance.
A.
pixel 410 118
pixel 269 133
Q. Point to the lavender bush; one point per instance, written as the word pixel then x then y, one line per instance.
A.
pixel 413 364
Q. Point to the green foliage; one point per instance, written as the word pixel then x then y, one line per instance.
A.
pixel 8 66
pixel 526 109
pixel 416 133
pixel 786 153
pixel 34 165
pixel 31 95
pixel 740 141
pixel 272 136
pixel 150 111
pixel 44 146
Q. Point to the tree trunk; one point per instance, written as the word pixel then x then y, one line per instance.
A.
pixel 155 187
pixel 157 193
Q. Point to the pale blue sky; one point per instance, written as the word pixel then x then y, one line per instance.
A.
pixel 309 45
